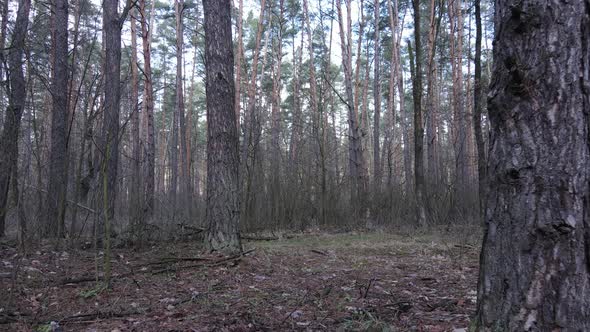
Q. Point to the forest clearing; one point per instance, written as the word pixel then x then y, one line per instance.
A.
pixel 352 281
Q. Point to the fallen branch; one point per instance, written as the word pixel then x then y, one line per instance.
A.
pixel 319 252
pixel 212 263
pixel 99 315
pixel 11 317
pixel 171 260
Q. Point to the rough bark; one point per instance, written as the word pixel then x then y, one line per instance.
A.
pixel 16 105
pixel 534 273
pixel 223 205
pixel 55 201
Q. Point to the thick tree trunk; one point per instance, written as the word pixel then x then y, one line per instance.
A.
pixel 55 201
pixel 16 105
pixel 223 205
pixel 534 273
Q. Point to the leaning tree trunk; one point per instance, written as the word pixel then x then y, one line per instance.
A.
pixel 223 205
pixel 535 261
pixel 16 106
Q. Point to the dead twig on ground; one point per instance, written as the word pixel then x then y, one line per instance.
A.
pixel 319 252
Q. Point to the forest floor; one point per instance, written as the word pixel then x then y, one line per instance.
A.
pixel 333 282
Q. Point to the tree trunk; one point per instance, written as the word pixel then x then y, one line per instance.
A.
pixel 388 145
pixel 149 153
pixel 354 138
pixel 248 148
pixel 3 29
pixel 248 117
pixel 238 84
pixel 477 119
pixel 432 108
pixel 185 186
pixel 223 205
pixel 459 118
pixel 173 188
pixel 58 157
pixel 136 192
pixel 534 273
pixel 112 25
pixel 377 99
pixel 313 92
pixel 418 124
pixel 16 105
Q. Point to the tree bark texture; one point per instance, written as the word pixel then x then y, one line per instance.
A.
pixel 223 206
pixel 535 261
